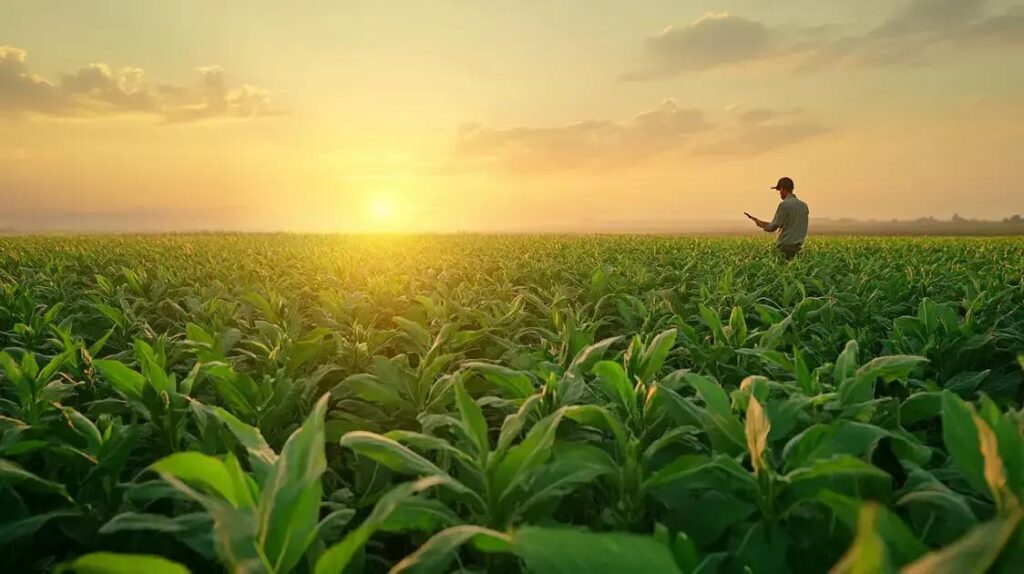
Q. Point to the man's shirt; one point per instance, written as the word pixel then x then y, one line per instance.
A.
pixel 791 217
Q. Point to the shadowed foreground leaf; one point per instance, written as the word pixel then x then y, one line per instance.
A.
pixel 111 563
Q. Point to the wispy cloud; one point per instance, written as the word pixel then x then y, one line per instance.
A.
pixel 909 35
pixel 99 90
pixel 601 145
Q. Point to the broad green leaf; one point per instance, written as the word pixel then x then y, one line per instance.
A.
pixel 15 375
pixel 12 473
pixel 846 363
pixel 100 343
pixel 29 366
pixel 473 420
pixel 770 357
pixel 804 379
pixel 598 417
pixel 437 554
pixel 712 320
pixel 53 366
pixel 571 466
pixel 420 514
pixel 678 435
pixel 289 507
pixel 152 369
pixel 131 521
pixel 890 368
pixel 897 535
pixel 655 354
pixel 920 407
pixel 514 384
pixel 682 546
pixel 18 529
pixel 856 389
pixel 868 553
pixel 417 333
pixel 389 453
pixel 111 563
pixel 403 460
pixel 721 474
pixel 532 452
pixel 682 467
pixel 85 427
pixel 960 435
pixel 200 469
pixel 424 442
pixel 1007 427
pixel 514 424
pixel 125 380
pixel 196 334
pixel 965 383
pixel 718 418
pixel 332 526
pixel 975 553
pixel 615 384
pixel 589 356
pixel 836 466
pixel 245 487
pixel 569 551
pixel 947 510
pixel 826 440
pixel 860 387
pixel 372 388
pixel 737 326
pixel 261 456
pixel 994 471
pixel 336 558
pixel 840 473
pixel 786 415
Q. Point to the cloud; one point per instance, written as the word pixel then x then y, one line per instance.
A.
pixel 98 90
pixel 930 16
pixel 907 36
pixel 996 31
pixel 21 89
pixel 215 99
pixel 599 145
pixel 711 41
pixel 759 130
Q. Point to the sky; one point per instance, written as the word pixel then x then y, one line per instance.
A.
pixel 460 115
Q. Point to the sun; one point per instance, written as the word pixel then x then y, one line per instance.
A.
pixel 382 209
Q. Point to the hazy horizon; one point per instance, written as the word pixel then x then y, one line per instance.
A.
pixel 467 116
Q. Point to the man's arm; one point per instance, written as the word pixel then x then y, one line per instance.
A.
pixel 777 222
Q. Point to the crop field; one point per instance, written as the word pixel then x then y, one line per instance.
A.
pixel 604 404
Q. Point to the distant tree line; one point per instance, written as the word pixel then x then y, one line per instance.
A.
pixel 957 219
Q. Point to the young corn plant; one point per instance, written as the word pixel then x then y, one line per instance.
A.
pixel 496 485
pixel 264 522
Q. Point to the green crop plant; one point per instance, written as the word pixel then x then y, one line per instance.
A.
pixel 333 404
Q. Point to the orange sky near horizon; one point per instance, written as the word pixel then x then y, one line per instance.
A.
pixel 472 116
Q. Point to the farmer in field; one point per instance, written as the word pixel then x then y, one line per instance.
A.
pixel 790 217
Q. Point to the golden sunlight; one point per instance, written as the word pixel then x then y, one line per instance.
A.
pixel 382 213
pixel 382 209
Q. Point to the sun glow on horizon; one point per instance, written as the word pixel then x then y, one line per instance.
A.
pixel 382 209
pixel 383 213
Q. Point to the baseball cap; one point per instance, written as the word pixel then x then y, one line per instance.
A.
pixel 785 183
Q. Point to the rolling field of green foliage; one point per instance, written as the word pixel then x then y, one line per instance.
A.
pixel 320 404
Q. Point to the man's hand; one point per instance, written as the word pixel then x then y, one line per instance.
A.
pixel 758 222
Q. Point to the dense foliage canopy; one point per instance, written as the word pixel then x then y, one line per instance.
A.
pixel 331 404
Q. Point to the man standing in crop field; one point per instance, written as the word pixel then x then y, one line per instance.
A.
pixel 790 217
